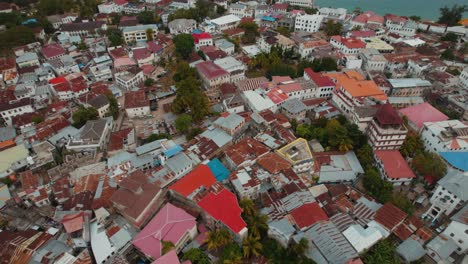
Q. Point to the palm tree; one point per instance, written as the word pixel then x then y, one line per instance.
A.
pixel 218 238
pixel 251 246
pixel 257 224
pixel 248 206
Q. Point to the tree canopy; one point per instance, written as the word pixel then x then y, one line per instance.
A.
pixel 451 16
pixel 184 45
pixel 147 17
pixel 196 256
pixel 428 163
pixel 411 145
pixel 84 114
pixel 382 252
pixel 377 187
pixel 183 123
pixel 114 35
pixel 251 31
pixel 332 28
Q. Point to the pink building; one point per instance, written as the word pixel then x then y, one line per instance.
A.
pixel 171 224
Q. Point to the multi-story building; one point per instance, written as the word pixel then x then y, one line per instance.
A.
pixel 241 10
pixel 139 33
pixel 333 13
pixel 306 48
pixel 405 87
pixel 84 29
pixel 212 77
pixel 130 78
pixel 178 26
pixel 109 8
pixel 301 3
pixel 202 39
pixel 308 23
pixel 325 85
pixel 450 135
pixel 136 104
pixel 27 59
pixel 347 45
pixel 463 78
pixel 93 135
pixel 457 230
pixel 449 195
pixel 352 90
pixel 246 183
pixel 372 60
pixel 225 22
pixel 294 109
pixel 400 25
pixel 12 109
pixel 393 167
pixel 235 68
pixel 386 131
pixel 225 46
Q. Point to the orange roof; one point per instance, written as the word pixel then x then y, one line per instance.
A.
pixel 464 22
pixel 355 84
pixel 6 144
pixel 198 177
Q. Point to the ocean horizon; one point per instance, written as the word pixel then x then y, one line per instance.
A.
pixel 426 9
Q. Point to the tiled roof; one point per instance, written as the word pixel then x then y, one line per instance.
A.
pixel 355 84
pixel 141 54
pixel 319 79
pixel 210 70
pixel 350 43
pixel 247 148
pixel 135 99
pixel 387 115
pixel 52 50
pixel 273 163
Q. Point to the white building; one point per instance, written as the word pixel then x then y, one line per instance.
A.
pixel 28 59
pixel 225 22
pixel 372 60
pixel 347 45
pixel 110 7
pixel 13 159
pixel 129 78
pixel 235 68
pixel 93 135
pixel 136 104
pixel 457 230
pixel 333 13
pixel 450 135
pixel 302 3
pixel 362 238
pixel 241 10
pixel 308 23
pixel 139 32
pixel 257 101
pixel 463 79
pixel 246 184
pixel 179 26
pixel 449 195
pixel 225 46
pixel 386 131
pixel 8 111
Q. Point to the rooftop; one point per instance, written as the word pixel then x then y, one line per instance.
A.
pixel 355 84
pixel 421 113
pixel 210 70
pixel 389 216
pixel 409 83
pixel 296 151
pixel 308 214
pixel 247 148
pixel 199 179
pixel 136 99
pixel 394 164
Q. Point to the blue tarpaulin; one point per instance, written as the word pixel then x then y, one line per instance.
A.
pixel 218 169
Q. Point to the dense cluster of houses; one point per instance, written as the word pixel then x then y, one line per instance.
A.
pixel 107 194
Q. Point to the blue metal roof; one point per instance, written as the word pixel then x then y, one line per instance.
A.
pixel 458 160
pixel 197 31
pixel 172 151
pixel 218 169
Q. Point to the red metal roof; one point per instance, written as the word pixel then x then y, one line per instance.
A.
pixel 350 43
pixel 308 214
pixel 394 164
pixel 389 216
pixel 52 50
pixel 136 99
pixel 223 206
pixel 198 177
pixel 200 36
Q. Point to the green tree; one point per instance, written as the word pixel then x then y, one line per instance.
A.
pixel 251 32
pixel 338 136
pixel 301 247
pixel 37 119
pixel 154 137
pixel 382 252
pixel 452 37
pixel 184 71
pixel 304 131
pixel 451 16
pixel 84 114
pixel 183 123
pixel 149 34
pixel 16 36
pixel 376 186
pixel 251 246
pixel 196 256
pixel 427 163
pixel 402 202
pixel 415 18
pixel 365 156
pixel 147 17
pixel 248 206
pixel 232 254
pixel 184 45
pixel 411 145
pixel 113 106
pixel 218 238
pixel 284 31
pixel 257 224
pixel 191 100
pixel 166 246
pixel 114 35
pixel 280 69
pixel 357 28
pixel 149 82
pixel 447 54
pixel 332 28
